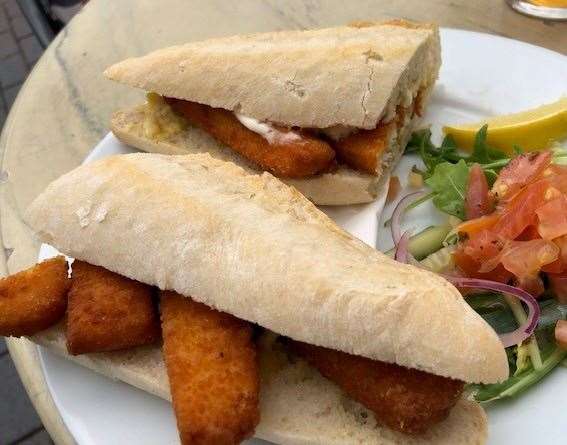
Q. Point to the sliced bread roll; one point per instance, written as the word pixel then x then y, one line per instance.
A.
pixel 298 406
pixel 341 187
pixel 334 81
pixel 253 247
pixel 348 75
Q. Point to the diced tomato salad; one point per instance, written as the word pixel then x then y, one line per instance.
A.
pixel 516 232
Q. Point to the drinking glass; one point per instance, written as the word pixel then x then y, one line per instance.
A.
pixel 544 9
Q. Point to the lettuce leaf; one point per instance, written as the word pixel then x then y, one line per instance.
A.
pixel 519 383
pixel 490 159
pixel 449 183
pixel 482 152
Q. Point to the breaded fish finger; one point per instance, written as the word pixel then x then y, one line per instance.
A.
pixel 363 150
pixel 406 400
pixel 213 372
pixel 290 153
pixel 108 311
pixel 34 299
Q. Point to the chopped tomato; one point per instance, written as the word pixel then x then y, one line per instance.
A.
pixel 558 284
pixel 478 251
pixel 519 172
pixel 525 260
pixel 528 234
pixel 533 285
pixel 478 201
pixel 520 211
pixel 561 242
pixel 555 267
pixel 559 182
pixel 561 333
pixel 474 226
pixel 552 217
pixel 484 245
pixel 555 170
pixel 470 268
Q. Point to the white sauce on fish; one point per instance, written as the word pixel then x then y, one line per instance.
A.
pixel 267 131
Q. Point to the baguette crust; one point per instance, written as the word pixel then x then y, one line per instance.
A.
pixel 341 187
pixel 298 406
pixel 202 227
pixel 347 75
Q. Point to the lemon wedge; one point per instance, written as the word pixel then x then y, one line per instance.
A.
pixel 534 129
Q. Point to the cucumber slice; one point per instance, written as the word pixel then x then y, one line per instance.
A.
pixel 426 242
pixel 440 261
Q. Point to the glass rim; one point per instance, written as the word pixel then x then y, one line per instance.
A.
pixel 542 12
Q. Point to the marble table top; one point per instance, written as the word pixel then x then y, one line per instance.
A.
pixel 64 108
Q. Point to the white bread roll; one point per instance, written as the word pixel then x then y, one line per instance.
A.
pixel 251 246
pixel 297 405
pixel 342 187
pixel 349 75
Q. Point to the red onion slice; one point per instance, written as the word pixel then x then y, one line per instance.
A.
pixel 401 242
pixel 402 248
pixel 525 330
pixel 395 224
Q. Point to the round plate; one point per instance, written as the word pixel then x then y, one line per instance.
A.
pixel 482 75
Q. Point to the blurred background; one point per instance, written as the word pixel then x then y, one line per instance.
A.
pixel 26 28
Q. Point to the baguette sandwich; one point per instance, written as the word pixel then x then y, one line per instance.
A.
pixel 328 111
pixel 275 322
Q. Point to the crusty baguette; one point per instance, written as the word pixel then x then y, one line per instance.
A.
pixel 298 406
pixel 251 246
pixel 353 76
pixel 344 186
pixel 348 75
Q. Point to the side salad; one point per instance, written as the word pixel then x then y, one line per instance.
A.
pixel 504 246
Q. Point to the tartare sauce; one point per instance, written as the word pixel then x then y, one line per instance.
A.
pixel 267 131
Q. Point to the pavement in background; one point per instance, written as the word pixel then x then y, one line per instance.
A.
pixel 19 50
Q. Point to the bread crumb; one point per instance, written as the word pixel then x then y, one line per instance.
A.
pixel 100 214
pixel 83 215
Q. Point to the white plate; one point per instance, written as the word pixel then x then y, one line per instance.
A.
pixel 481 75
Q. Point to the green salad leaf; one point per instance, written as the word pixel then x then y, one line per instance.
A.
pixel 431 155
pixel 493 308
pixel 519 383
pixel 482 153
pixel 446 171
pixel 420 143
pixel 449 183
pixel 447 167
